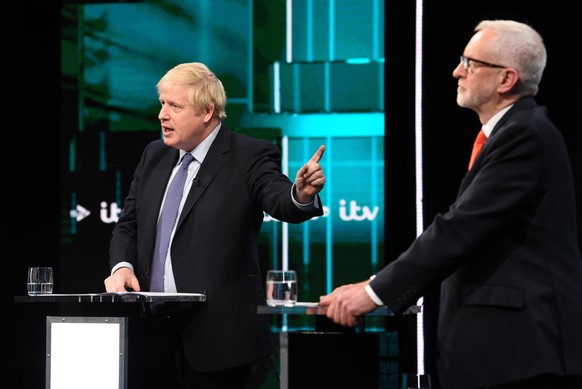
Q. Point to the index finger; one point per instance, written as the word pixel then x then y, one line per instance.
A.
pixel 318 154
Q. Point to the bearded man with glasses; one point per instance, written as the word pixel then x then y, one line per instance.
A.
pixel 505 254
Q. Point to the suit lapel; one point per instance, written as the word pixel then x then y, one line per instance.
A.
pixel 216 158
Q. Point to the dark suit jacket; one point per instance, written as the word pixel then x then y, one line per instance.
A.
pixel 511 300
pixel 215 246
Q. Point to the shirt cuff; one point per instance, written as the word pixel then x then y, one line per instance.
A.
pixel 307 207
pixel 373 296
pixel 121 264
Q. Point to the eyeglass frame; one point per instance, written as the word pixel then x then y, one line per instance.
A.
pixel 465 61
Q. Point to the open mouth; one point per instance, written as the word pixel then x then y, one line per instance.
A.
pixel 167 130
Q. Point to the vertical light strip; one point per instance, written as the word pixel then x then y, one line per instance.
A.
pixel 204 28
pixel 309 26
pixel 73 154
pixel 328 220
pixel 275 245
pixel 331 30
pixel 381 84
pixel 306 239
pixel 418 174
pixel 277 87
pixel 296 71
pixel 374 167
pixel 285 151
pixel 327 86
pixel 73 214
pixel 375 30
pixel 289 37
pixel 285 226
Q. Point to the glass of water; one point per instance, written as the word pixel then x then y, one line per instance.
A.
pixel 39 281
pixel 281 288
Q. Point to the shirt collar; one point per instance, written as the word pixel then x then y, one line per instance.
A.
pixel 488 127
pixel 199 153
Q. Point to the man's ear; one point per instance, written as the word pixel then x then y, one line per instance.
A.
pixel 510 78
pixel 208 113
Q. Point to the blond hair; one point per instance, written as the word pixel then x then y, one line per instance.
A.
pixel 204 88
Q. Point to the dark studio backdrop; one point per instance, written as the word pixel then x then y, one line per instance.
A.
pixel 33 148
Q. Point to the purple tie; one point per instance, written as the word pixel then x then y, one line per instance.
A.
pixel 166 224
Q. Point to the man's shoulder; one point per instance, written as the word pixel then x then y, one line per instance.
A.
pixel 157 146
pixel 157 150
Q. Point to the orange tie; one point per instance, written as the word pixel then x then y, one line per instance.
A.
pixel 477 146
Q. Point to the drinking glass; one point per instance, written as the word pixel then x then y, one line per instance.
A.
pixel 281 288
pixel 39 281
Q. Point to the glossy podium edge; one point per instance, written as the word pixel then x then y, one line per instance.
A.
pixel 119 297
pixel 308 308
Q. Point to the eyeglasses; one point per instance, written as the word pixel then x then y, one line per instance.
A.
pixel 465 62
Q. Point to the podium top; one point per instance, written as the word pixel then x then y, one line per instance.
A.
pixel 118 297
pixel 307 308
